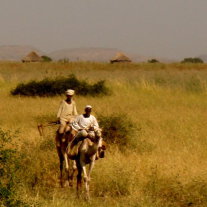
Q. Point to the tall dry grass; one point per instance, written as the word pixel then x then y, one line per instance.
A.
pixel 168 105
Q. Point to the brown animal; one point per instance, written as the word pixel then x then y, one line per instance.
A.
pixel 88 151
pixel 62 154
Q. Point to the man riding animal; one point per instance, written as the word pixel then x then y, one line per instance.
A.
pixel 85 126
pixel 86 147
pixel 66 114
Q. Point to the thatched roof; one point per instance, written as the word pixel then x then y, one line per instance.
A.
pixel 32 57
pixel 120 57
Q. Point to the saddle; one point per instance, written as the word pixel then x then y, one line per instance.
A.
pixel 72 149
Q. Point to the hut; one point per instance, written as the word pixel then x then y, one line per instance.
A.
pixel 32 57
pixel 120 58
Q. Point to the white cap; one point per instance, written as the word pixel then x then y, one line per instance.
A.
pixel 70 92
pixel 88 107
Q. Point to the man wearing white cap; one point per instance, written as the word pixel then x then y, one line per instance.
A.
pixel 85 124
pixel 67 111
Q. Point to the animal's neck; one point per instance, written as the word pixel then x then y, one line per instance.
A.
pixel 94 147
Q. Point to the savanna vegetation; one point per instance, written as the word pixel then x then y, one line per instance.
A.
pixel 154 121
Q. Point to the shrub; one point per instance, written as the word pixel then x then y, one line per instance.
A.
pixel 117 129
pixel 52 87
pixel 9 165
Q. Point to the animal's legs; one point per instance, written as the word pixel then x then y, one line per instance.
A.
pixel 67 167
pixel 91 165
pixel 66 162
pixel 79 178
pixel 72 174
pixel 63 147
pixel 61 159
pixel 86 180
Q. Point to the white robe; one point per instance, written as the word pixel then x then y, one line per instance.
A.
pixel 82 122
pixel 66 110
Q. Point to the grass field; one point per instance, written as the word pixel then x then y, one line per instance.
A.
pixel 166 165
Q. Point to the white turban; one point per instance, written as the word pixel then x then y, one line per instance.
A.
pixel 70 92
pixel 88 106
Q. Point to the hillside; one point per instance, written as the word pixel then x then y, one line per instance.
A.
pixel 85 54
pixel 96 55
pixel 16 52
pixel 203 57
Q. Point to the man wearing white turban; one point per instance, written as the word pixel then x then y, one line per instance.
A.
pixel 66 113
pixel 85 125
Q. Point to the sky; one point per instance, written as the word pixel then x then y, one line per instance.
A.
pixel 162 28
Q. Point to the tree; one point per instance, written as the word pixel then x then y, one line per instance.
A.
pixel 46 58
pixel 192 60
pixel 153 61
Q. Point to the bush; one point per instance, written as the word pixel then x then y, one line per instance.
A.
pixel 117 129
pixel 41 161
pixel 9 165
pixel 192 60
pixel 52 87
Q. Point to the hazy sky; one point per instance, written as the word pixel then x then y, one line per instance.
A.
pixel 165 28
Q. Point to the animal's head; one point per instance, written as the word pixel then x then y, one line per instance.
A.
pixel 101 149
pixel 98 133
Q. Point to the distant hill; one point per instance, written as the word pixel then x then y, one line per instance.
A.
pixel 203 57
pixel 92 54
pixel 85 54
pixel 16 52
pixel 139 58
pixel 97 55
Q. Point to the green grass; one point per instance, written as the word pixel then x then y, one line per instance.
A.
pixel 166 103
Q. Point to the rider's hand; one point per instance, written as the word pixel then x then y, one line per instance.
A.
pixel 91 128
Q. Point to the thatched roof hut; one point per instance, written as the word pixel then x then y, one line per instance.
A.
pixel 32 57
pixel 120 57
